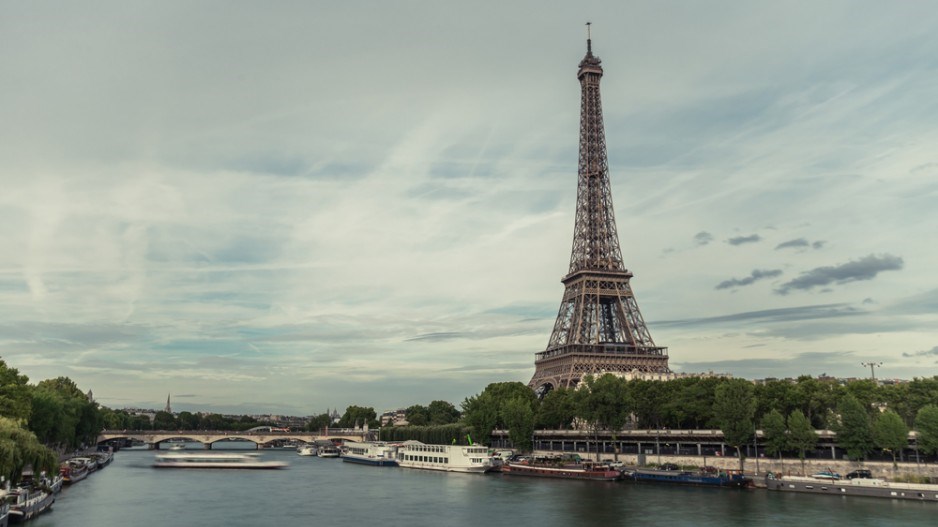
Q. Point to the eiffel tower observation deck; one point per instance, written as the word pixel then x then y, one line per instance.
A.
pixel 599 327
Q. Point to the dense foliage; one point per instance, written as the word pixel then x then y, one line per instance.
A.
pixel 20 448
pixel 801 437
pixel 926 424
pixel 890 433
pixel 437 413
pixel 436 434
pixel 732 405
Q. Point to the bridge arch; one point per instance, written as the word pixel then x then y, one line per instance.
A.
pixel 154 438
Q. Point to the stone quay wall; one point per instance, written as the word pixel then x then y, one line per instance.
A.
pixel 787 466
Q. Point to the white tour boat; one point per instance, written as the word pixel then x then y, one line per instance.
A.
pixel 306 450
pixel 449 458
pixel 328 451
pixel 214 461
pixel 377 453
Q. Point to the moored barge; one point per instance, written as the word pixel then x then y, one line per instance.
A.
pixel 374 453
pixel 703 478
pixel 562 468
pixel 871 488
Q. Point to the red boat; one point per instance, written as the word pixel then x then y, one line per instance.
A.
pixel 570 468
pixel 73 470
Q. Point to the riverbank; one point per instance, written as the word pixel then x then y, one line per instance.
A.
pixel 789 467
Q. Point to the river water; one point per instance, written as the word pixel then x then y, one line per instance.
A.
pixel 328 492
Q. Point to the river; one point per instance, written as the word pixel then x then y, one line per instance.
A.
pixel 328 492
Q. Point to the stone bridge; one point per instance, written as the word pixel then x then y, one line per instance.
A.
pixel 153 438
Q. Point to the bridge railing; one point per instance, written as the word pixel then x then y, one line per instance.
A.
pixel 325 432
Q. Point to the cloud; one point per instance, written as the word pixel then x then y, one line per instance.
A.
pixel 739 240
pixel 440 336
pixel 865 268
pixel 802 363
pixel 787 314
pixel 799 242
pixel 923 353
pixel 757 274
pixel 703 238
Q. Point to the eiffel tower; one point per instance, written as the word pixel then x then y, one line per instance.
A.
pixel 599 327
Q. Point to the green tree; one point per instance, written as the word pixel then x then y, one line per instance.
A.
pixel 896 397
pixel 817 398
pixel 188 421
pixel 926 429
pixel 164 421
pixel 359 415
pixel 442 413
pixel 215 422
pixel 801 435
pixel 20 448
pixel 47 417
pixel 854 430
pixel 80 421
pixel 519 419
pixel 557 409
pixel 483 412
pixel 692 404
pixel 417 415
pixel 921 393
pixel 774 433
pixel 734 407
pixel 142 422
pixel 15 399
pixel 648 401
pixel 890 433
pixel 776 395
pixel 64 387
pixel 318 422
pixel 865 391
pixel 603 402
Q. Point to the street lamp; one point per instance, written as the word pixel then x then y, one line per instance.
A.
pixel 872 365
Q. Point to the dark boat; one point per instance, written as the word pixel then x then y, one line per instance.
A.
pixel 562 468
pixel 707 477
pixel 104 457
pixel 866 487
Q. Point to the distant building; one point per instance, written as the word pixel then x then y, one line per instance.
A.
pixel 394 417
pixel 636 375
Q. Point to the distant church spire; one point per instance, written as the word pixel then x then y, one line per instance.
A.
pixel 168 408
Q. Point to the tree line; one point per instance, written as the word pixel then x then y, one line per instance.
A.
pixel 865 415
pixel 52 413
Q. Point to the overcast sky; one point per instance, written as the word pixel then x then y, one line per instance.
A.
pixel 291 207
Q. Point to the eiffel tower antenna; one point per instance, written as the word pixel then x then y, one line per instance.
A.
pixel 599 327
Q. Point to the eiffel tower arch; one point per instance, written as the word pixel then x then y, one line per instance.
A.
pixel 599 327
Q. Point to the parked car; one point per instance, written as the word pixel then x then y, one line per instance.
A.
pixel 860 473
pixel 669 466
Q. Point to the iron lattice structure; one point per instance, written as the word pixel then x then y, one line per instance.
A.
pixel 599 327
